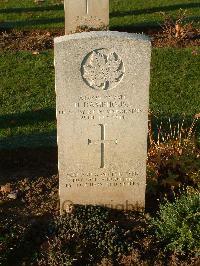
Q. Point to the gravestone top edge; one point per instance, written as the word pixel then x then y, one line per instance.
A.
pixel 99 34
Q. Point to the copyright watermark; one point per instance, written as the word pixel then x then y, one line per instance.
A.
pixel 68 206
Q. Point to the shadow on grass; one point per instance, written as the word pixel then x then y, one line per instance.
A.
pixel 133 27
pixel 30 162
pixel 28 154
pixel 33 22
pixel 47 139
pixel 146 26
pixel 31 9
pixel 27 118
pixel 29 140
pixel 153 10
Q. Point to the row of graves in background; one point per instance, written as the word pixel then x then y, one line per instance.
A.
pixel 86 14
pixel 102 91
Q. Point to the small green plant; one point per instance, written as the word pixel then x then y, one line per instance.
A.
pixel 178 224
pixel 86 236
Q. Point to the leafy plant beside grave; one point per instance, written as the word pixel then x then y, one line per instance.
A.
pixel 177 225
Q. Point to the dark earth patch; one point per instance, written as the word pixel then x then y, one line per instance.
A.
pixel 38 40
pixel 20 163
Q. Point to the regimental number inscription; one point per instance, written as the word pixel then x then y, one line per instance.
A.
pixel 102 69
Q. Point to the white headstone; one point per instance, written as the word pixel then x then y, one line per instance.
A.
pixel 86 13
pixel 102 87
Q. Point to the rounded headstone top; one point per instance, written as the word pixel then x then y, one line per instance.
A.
pixel 101 34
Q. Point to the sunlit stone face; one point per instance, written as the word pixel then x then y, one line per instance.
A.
pixel 102 88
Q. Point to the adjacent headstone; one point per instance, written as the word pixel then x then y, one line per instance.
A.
pixel 102 87
pixel 86 14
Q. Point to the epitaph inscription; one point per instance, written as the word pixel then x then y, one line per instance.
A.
pixel 102 118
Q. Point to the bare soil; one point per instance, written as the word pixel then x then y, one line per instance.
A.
pixel 32 175
pixel 38 40
pixel 27 162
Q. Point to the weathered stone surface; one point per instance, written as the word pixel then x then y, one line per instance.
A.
pixel 102 87
pixel 86 13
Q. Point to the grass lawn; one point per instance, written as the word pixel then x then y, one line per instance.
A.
pixel 27 96
pixel 133 14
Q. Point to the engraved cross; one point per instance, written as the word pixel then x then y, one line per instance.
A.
pixel 87 7
pixel 103 143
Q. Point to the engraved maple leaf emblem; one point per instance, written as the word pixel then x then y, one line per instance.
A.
pixel 103 71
